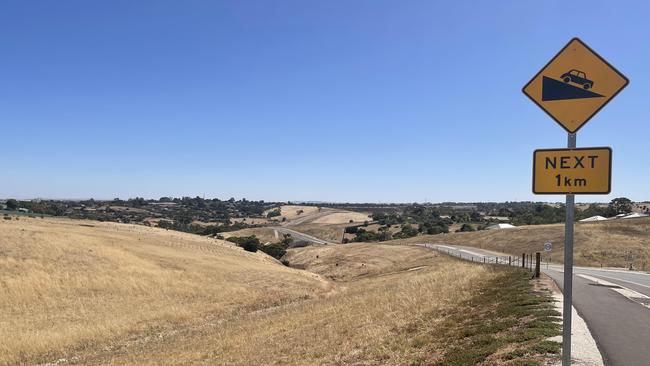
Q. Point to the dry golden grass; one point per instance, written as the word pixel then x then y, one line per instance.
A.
pixel 342 218
pixel 607 243
pixel 333 232
pixel 82 292
pixel 66 287
pixel 291 211
pixel 320 215
pixel 367 319
pixel 264 234
pixel 251 220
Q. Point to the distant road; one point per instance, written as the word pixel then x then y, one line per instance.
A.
pixel 300 236
pixel 618 317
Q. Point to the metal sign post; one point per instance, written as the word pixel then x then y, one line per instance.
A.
pixel 568 269
pixel 571 89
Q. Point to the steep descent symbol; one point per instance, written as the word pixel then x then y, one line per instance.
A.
pixel 575 85
pixel 562 90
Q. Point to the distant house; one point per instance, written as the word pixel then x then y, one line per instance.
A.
pixel 594 218
pixel 23 210
pixel 500 226
pixel 635 215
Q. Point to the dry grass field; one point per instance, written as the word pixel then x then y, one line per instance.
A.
pixel 342 218
pixel 332 232
pixel 290 212
pixel 83 292
pixel 252 221
pixel 264 234
pixel 69 287
pixel 607 243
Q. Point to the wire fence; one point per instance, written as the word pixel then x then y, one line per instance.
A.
pixel 531 261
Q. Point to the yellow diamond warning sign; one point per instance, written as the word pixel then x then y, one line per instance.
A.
pixel 572 171
pixel 575 85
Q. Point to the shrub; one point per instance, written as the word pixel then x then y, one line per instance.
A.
pixel 466 227
pixel 351 229
pixel 407 231
pixel 249 243
pixel 363 235
pixel 384 235
pixel 275 250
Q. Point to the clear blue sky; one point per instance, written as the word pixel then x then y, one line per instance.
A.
pixel 304 100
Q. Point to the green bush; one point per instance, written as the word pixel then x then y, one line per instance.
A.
pixel 12 204
pixel 249 243
pixel 351 229
pixel 466 227
pixel 275 250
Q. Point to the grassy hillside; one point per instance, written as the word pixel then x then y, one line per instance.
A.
pixel 607 243
pixel 83 292
pixel 324 223
pixel 69 287
pixel 265 234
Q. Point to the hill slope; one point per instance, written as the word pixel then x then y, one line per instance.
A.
pixel 69 286
pixel 607 243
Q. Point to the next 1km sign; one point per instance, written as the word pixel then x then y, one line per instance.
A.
pixel 572 171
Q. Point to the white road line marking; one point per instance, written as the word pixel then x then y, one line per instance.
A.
pixel 618 279
pixel 630 294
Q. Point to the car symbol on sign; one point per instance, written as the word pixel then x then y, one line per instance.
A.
pixel 577 77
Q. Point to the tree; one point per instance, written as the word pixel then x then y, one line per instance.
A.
pixel 593 210
pixel 620 205
pixel 12 204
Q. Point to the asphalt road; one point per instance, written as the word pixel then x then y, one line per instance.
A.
pixel 616 317
pixel 298 236
pixel 620 325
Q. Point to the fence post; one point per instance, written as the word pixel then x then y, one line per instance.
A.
pixel 510 260
pixel 538 258
pixel 483 259
pixel 523 260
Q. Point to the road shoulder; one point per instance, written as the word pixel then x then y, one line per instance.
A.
pixel 584 350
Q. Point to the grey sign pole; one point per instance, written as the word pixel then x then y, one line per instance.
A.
pixel 568 269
